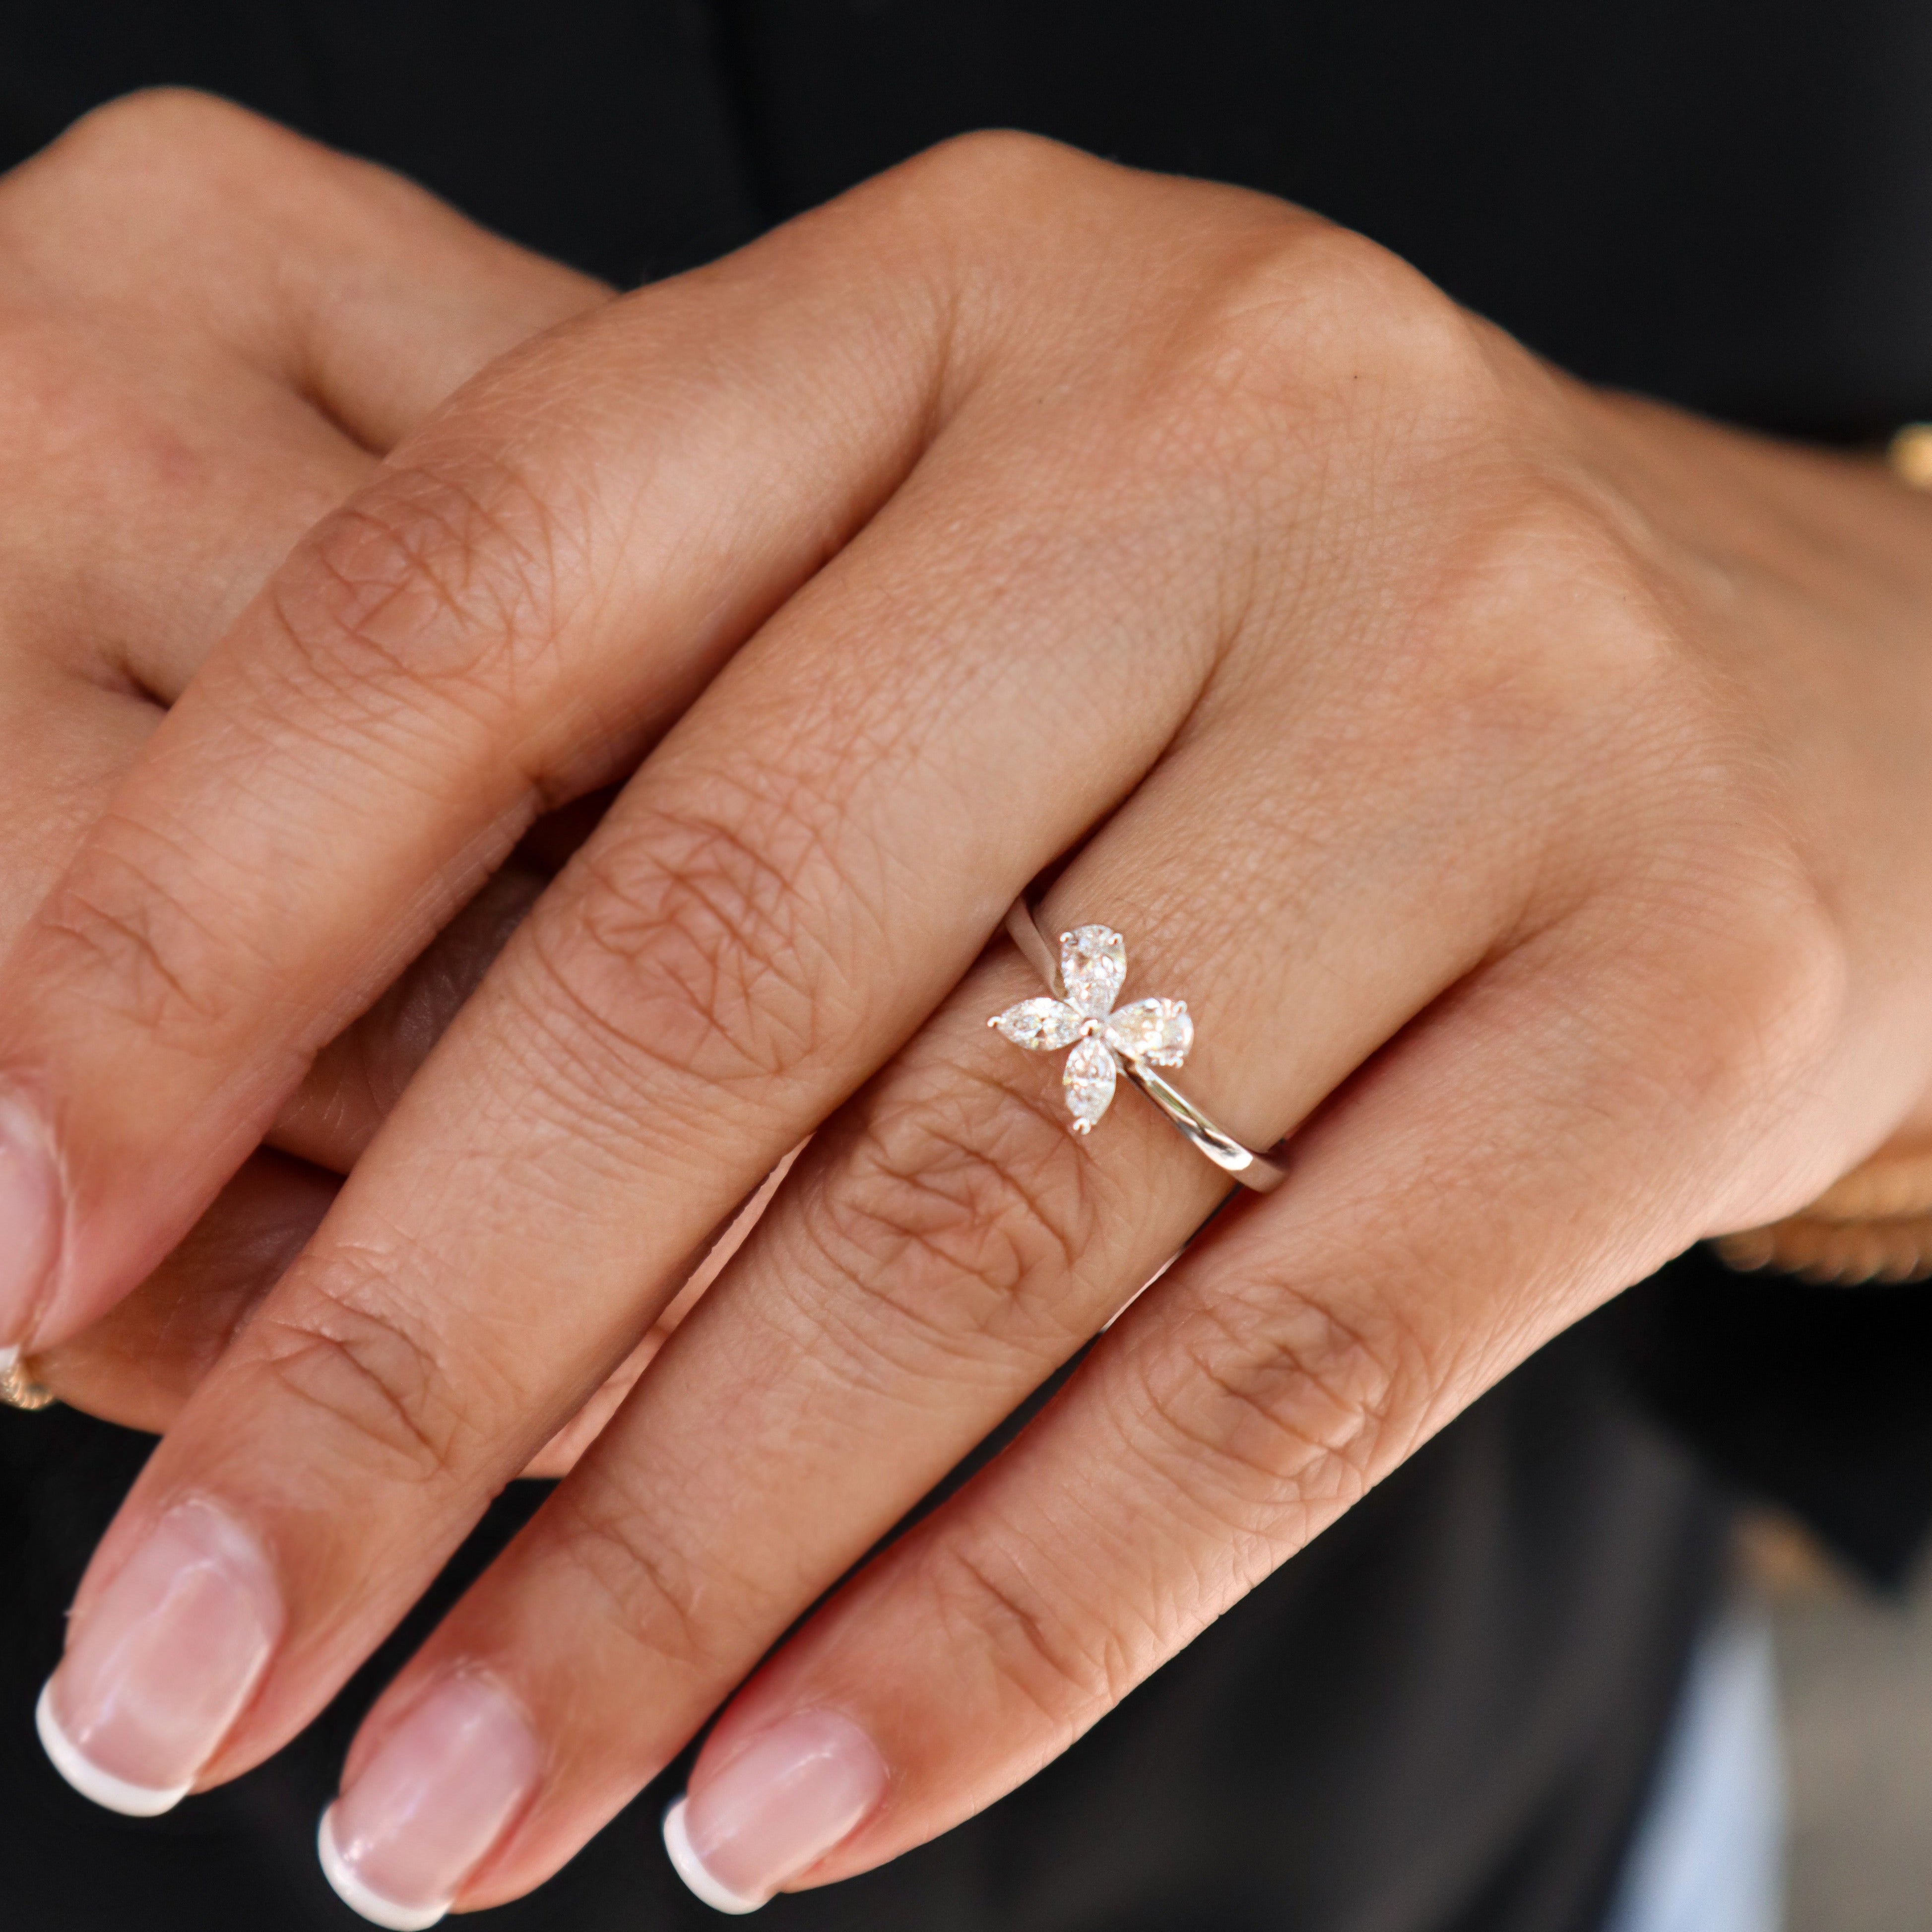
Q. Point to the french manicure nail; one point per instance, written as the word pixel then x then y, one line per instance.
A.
pixel 30 1215
pixel 790 1796
pixel 424 1812
pixel 160 1668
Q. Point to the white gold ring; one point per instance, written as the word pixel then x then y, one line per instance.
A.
pixel 1106 1041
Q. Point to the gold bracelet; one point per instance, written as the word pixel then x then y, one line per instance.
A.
pixel 1910 455
pixel 1874 1225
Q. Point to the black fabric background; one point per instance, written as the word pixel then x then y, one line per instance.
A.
pixel 1441 1717
pixel 1718 201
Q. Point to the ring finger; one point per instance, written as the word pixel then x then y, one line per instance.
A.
pixel 944 1245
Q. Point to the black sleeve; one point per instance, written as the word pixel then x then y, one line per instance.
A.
pixel 1819 1399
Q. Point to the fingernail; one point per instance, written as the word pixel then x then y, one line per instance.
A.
pixel 776 1809
pixel 424 1812
pixel 157 1672
pixel 30 1212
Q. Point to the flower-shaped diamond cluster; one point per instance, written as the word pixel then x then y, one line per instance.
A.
pixel 1150 1033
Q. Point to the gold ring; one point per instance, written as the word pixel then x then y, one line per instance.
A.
pixel 18 1390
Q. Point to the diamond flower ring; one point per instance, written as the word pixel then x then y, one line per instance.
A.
pixel 1107 1042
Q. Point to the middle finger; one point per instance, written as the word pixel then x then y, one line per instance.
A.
pixel 946 1245
pixel 782 892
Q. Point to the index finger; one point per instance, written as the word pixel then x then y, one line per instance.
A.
pixel 441 659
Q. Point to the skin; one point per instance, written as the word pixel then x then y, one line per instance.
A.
pixel 213 330
pixel 1524 786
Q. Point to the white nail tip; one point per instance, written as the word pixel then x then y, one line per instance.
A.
pixel 10 1359
pixel 114 1794
pixel 357 1896
pixel 691 1867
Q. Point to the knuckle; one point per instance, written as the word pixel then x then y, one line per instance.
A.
pixel 687 943
pixel 1303 357
pixel 969 215
pixel 649 1589
pixel 1800 994
pixel 169 153
pixel 135 947
pixel 1272 1414
pixel 1068 1664
pixel 1746 975
pixel 1344 324
pixel 180 121
pixel 1521 551
pixel 1533 639
pixel 989 165
pixel 956 1215
pixel 1362 308
pixel 353 1365
pixel 440 581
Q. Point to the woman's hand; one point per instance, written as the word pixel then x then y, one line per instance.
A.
pixel 1525 787
pixel 209 331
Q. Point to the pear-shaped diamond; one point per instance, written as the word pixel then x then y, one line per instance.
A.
pixel 1157 1031
pixel 1093 964
pixel 1088 1077
pixel 1040 1026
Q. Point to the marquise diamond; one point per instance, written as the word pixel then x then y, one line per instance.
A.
pixel 1040 1026
pixel 1088 1077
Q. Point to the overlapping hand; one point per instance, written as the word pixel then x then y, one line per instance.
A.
pixel 1522 786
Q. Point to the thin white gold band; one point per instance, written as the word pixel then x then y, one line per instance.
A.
pixel 1262 1172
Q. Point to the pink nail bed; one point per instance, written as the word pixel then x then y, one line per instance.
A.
pixel 30 1216
pixel 792 1794
pixel 426 1810
pixel 161 1665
